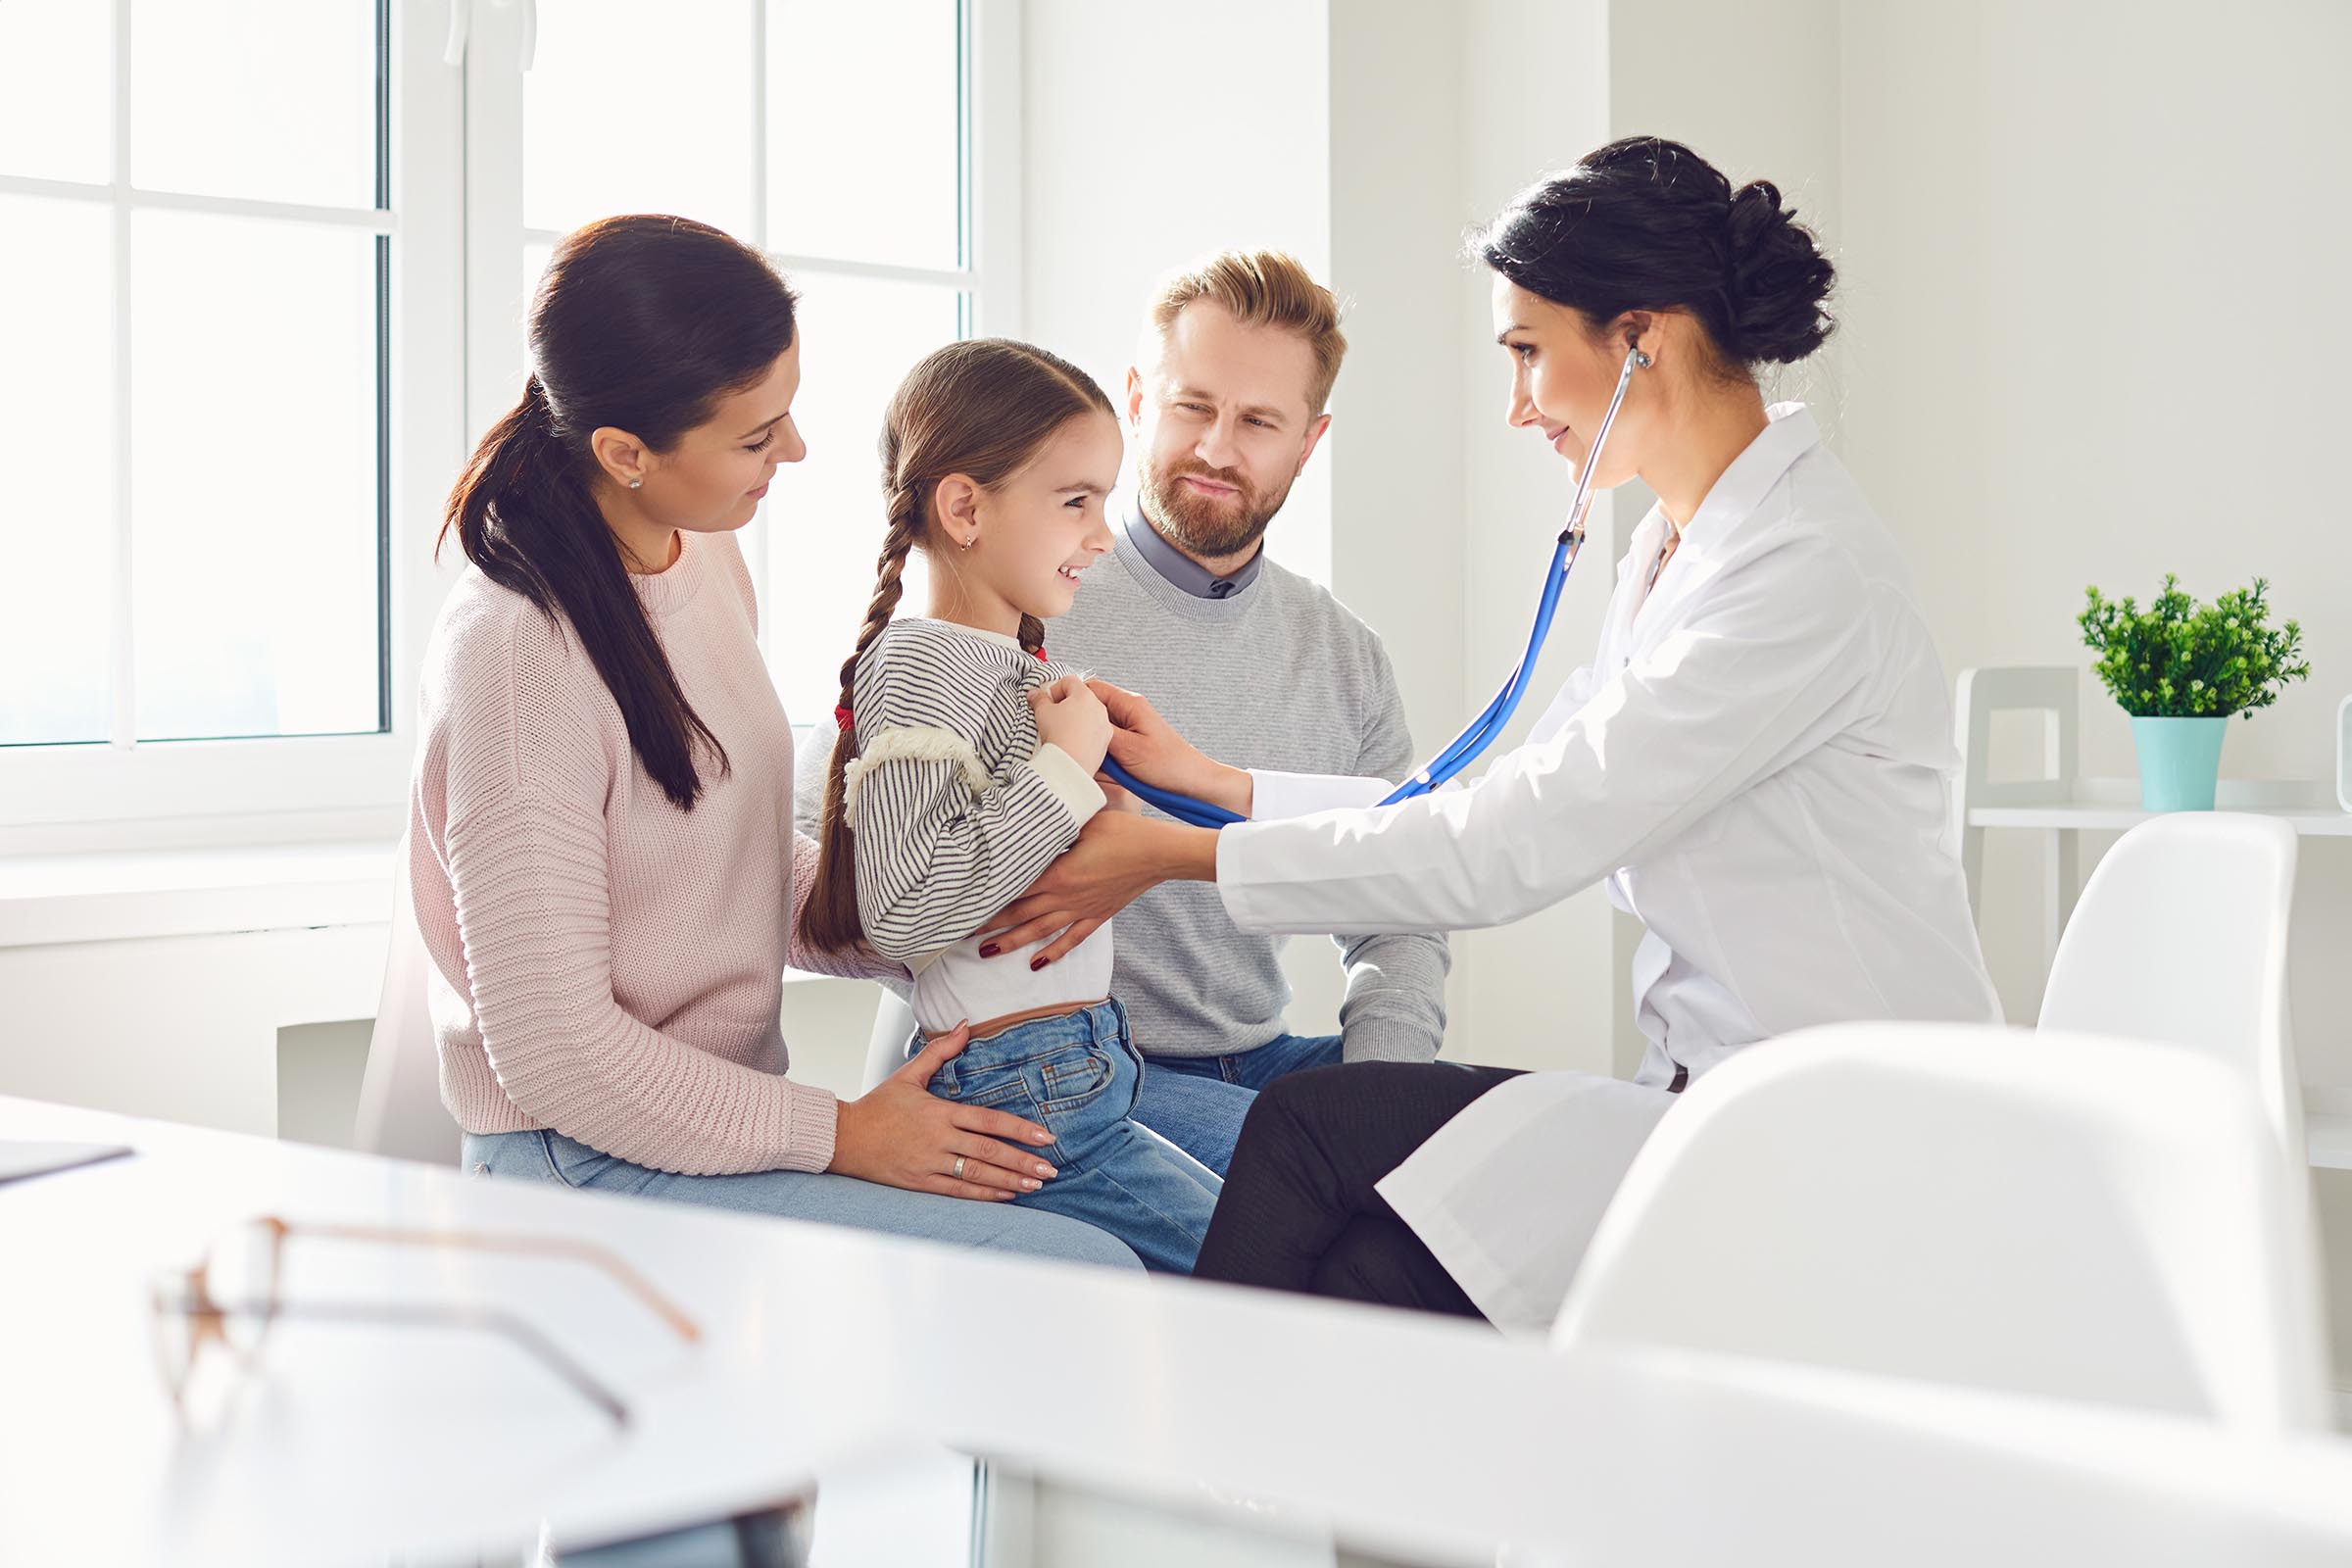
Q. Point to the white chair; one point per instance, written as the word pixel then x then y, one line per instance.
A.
pixel 401 1114
pixel 2049 693
pixel 886 1049
pixel 2089 1219
pixel 2181 937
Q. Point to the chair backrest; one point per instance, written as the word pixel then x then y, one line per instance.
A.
pixel 2180 936
pixel 886 1049
pixel 2049 693
pixel 400 1112
pixel 2057 1214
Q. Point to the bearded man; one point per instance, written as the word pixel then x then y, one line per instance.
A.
pixel 1254 663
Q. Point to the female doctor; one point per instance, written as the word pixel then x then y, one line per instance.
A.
pixel 1754 761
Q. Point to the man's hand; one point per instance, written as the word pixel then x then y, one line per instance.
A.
pixel 1148 747
pixel 1117 858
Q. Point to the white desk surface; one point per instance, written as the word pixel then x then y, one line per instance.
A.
pixel 1417 1436
pixel 821 1345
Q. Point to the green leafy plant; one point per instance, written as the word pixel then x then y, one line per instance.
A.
pixel 2178 659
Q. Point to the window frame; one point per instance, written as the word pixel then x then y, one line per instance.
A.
pixel 118 792
pixel 456 304
pixel 990 278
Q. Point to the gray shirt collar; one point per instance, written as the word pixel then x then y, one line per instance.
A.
pixel 1182 569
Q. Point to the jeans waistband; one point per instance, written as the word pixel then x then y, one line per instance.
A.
pixel 1102 1020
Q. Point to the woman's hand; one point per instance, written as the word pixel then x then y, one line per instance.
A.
pixel 1073 717
pixel 1148 747
pixel 1117 858
pixel 902 1135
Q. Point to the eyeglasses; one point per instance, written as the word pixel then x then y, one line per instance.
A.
pixel 231 1298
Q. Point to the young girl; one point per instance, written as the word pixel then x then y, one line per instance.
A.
pixel 966 764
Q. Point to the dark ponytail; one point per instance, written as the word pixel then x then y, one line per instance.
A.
pixel 643 325
pixel 1647 224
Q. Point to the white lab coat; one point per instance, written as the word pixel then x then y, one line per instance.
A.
pixel 1757 764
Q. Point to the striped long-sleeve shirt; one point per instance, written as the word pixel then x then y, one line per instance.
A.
pixel 954 807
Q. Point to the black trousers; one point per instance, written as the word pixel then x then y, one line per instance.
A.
pixel 1300 1212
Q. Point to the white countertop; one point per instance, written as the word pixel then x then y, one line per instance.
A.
pixel 1414 1435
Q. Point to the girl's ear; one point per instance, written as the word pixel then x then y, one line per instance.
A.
pixel 955 502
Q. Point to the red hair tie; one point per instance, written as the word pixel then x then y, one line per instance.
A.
pixel 1039 649
pixel 841 717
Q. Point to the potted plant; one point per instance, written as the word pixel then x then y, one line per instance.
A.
pixel 2180 668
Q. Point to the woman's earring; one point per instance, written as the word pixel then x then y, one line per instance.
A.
pixel 635 483
pixel 973 540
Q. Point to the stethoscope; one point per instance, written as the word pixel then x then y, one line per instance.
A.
pixel 1465 748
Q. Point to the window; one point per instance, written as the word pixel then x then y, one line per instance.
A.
pixel 196 221
pixel 243 270
pixel 280 252
pixel 840 141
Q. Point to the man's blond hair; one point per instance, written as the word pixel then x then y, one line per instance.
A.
pixel 1261 288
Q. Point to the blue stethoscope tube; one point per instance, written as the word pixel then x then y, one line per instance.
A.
pixel 1465 748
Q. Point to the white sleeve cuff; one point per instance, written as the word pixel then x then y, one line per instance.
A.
pixel 1274 795
pixel 1071 784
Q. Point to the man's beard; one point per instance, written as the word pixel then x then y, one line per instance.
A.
pixel 1200 526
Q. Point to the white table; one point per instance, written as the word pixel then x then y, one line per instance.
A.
pixel 1413 1437
pixel 823 1344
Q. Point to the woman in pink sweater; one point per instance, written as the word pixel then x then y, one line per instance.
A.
pixel 602 846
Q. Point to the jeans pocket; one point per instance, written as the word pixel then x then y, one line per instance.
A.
pixel 571 1162
pixel 1069 1081
pixel 1006 1092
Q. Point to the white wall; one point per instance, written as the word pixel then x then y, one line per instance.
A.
pixel 1154 133
pixel 184 1028
pixel 2093 255
pixel 1535 93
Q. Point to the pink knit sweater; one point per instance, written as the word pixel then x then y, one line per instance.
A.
pixel 609 965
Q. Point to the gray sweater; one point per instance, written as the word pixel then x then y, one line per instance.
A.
pixel 1277 676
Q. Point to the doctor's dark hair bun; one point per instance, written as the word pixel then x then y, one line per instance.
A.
pixel 1646 224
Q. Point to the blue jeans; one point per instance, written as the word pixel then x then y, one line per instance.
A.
pixel 1198 1103
pixel 1078 1076
pixel 828 1199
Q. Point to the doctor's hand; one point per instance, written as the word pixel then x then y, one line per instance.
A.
pixel 1148 747
pixel 902 1135
pixel 1117 858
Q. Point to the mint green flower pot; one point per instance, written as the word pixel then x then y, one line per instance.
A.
pixel 2180 762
